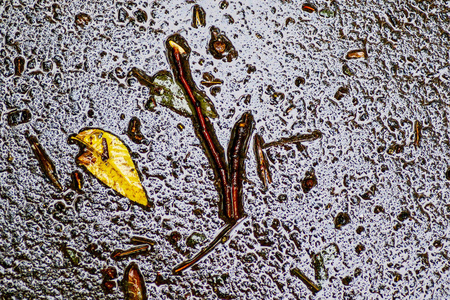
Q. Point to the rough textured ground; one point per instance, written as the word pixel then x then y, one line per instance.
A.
pixel 367 164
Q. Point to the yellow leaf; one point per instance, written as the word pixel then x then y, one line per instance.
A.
pixel 108 159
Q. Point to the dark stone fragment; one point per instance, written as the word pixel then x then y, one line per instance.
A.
pixel 262 236
pixel 174 238
pixel 122 15
pixel 341 219
pixel 364 117
pixel 134 130
pixel 295 237
pixel 404 215
pixel 160 280
pixel 60 206
pixel 215 90
pixel 94 250
pixel 290 21
pixel 141 16
pixel 246 98
pixel 367 195
pixel 220 46
pixel 47 66
pixel 69 197
pixel 120 73
pixel 58 61
pixel 18 117
pixel 265 241
pixel 9 39
pixel 229 18
pixel 31 64
pixel 57 79
pixel 9 67
pixel 299 81
pixel 109 273
pixel 360 229
pixel 447 174
pixel 223 4
pixel 378 209
pixel 282 198
pixel 82 19
pixel 341 92
pixel 198 212
pixel 270 90
pixel 425 258
pixel 112 77
pixel 57 13
pixel 360 248
pixel 251 69
pixel 275 224
pixel 309 181
pixel 250 258
pixel 109 286
pixel 130 5
pixel 346 280
pixel 23 88
pixel 393 124
pixel 437 244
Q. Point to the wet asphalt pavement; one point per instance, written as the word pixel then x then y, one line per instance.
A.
pixel 382 163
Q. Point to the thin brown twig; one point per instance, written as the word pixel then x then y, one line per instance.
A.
pixel 305 137
pixel 231 181
pixel 219 162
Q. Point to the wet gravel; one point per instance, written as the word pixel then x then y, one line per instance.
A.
pixel 382 192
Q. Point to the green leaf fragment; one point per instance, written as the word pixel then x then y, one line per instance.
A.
pixel 320 260
pixel 347 71
pixel 173 97
pixel 72 255
pixel 330 253
pixel 320 271
pixel 195 239
pixel 326 13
